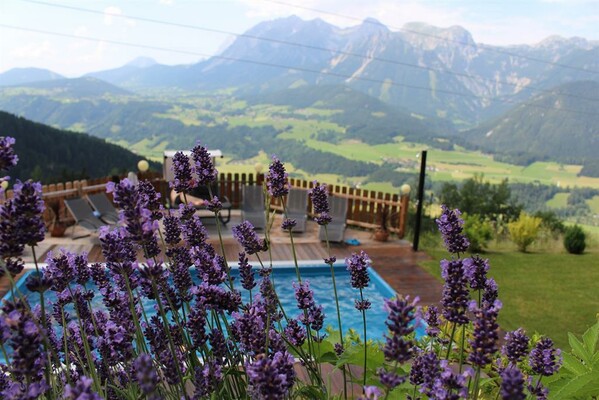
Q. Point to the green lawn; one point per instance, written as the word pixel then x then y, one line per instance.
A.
pixel 550 292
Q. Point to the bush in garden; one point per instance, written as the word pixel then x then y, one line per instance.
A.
pixel 205 342
pixel 575 240
pixel 524 231
pixel 478 231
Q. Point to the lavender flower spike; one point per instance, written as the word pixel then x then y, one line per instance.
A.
pixel 401 314
pixel 271 378
pixel 486 333
pixel 81 390
pixel 8 158
pixel 357 265
pixel 451 226
pixel 21 222
pixel 516 346
pixel 246 236
pixel 204 167
pixel 276 180
pixel 544 359
pixel 512 384
pixel 182 170
pixel 319 195
pixel 455 296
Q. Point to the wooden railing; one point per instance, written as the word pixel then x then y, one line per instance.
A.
pixel 365 207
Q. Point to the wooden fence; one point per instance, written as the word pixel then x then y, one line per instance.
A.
pixel 365 208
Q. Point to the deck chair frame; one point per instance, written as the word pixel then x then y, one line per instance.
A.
pixel 83 214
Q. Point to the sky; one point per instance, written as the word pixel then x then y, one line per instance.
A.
pixel 48 34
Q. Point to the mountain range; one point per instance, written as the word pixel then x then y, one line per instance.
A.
pixel 421 83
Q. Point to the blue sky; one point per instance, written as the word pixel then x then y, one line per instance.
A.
pixel 498 22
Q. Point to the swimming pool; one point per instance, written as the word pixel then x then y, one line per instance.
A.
pixel 284 275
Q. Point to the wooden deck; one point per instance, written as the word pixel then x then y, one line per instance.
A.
pixel 394 260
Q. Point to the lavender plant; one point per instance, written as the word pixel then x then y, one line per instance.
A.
pixel 201 340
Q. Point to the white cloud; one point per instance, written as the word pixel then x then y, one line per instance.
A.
pixel 110 13
pixel 167 2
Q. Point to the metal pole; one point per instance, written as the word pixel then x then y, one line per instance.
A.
pixel 420 200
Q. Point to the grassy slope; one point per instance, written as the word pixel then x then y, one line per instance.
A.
pixel 551 292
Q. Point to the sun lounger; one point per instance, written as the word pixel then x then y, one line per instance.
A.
pixel 297 203
pixel 104 207
pixel 199 195
pixel 84 215
pixel 252 206
pixel 335 230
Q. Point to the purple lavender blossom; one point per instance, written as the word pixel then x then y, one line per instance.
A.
pixel 288 224
pixel 390 379
pixel 248 328
pixel 23 391
pixel 8 157
pixel 316 317
pixel 451 226
pixel 276 180
pixel 455 296
pixel 183 181
pixel 245 273
pixel 425 371
pixel 371 393
pixel 28 358
pixel 246 236
pixel 303 295
pixel 60 270
pixel 490 292
pixel 544 359
pixel 401 315
pixel 485 337
pixel 21 222
pixel 537 390
pixel 476 270
pixel 516 346
pixel 203 165
pixel 270 378
pixel 449 385
pixel 82 390
pixel 207 379
pixel 431 317
pixel 172 231
pixel 116 245
pixel 214 205
pixel 38 282
pixel 218 344
pixel 145 374
pixel 295 333
pixel 512 384
pixel 362 305
pixel 357 265
pixel 319 195
pixel 138 220
pixel 194 232
pixel 196 324
pixel 150 199
pixel 330 261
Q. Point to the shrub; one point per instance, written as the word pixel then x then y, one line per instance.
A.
pixel 478 230
pixel 524 231
pixel 575 240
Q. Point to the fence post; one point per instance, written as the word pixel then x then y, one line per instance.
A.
pixel 420 201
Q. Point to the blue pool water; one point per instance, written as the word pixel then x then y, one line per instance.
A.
pixel 321 283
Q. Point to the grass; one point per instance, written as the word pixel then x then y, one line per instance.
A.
pixel 548 291
pixel 560 200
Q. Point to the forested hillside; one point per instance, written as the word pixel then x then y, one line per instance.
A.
pixel 52 155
